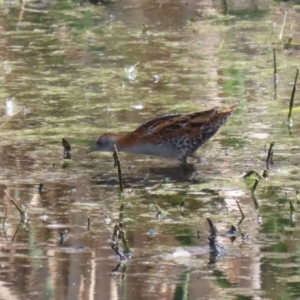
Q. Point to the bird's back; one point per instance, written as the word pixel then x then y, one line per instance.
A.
pixel 193 124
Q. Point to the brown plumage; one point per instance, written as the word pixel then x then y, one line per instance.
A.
pixel 174 136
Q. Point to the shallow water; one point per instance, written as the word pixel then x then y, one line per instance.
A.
pixel 74 70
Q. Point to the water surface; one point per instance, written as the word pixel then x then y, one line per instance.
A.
pixel 74 70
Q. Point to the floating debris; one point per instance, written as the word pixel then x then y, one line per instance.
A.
pixel 44 217
pixel 157 185
pixel 138 106
pixel 155 78
pixel 152 233
pixel 259 219
pixel 131 72
pixel 107 219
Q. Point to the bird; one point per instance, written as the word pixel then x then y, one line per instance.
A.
pixel 173 136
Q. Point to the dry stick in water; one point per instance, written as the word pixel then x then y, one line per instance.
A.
pixel 283 24
pixel 213 229
pixel 22 212
pixel 243 216
pixel 67 149
pixel 89 223
pixel 265 173
pixel 116 232
pixel 290 121
pixel 182 206
pixel 13 238
pixel 4 220
pixel 255 186
pixel 274 63
pixel 125 241
pixel 292 212
pixel 8 119
pixel 117 163
pixel 253 191
pixel 62 238
pixel 40 189
pixel 275 71
pixel 270 155
pixel 292 208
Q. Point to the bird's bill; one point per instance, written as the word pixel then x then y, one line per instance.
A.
pixel 92 149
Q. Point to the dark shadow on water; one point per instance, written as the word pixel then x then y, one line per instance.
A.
pixel 148 176
pixel 177 173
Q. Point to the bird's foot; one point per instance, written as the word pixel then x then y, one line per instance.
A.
pixel 198 158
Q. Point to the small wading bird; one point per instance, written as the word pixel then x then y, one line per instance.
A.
pixel 174 136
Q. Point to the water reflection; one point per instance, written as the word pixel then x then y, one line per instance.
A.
pixel 70 66
pixel 10 106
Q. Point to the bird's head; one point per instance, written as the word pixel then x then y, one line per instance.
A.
pixel 104 143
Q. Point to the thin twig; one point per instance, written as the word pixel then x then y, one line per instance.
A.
pixel 117 250
pixel 274 62
pixel 290 121
pixel 117 163
pixel 89 223
pixel 213 229
pixel 253 192
pixel 62 238
pixel 115 232
pixel 255 186
pixel 13 238
pixel 10 118
pixel 283 24
pixel 22 212
pixel 275 70
pixel 270 154
pixel 243 216
pixel 292 208
pixel 265 174
pixel 40 189
pixel 5 214
pixel 14 202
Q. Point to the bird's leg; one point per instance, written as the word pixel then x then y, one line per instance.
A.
pixel 184 165
pixel 193 155
pixel 183 160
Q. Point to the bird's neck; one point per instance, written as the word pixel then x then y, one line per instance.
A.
pixel 118 140
pixel 124 142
